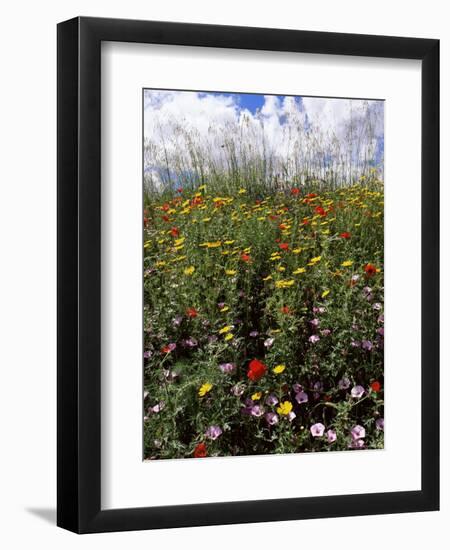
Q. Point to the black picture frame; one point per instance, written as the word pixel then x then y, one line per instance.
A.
pixel 79 280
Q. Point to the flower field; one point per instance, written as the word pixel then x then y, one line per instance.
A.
pixel 263 319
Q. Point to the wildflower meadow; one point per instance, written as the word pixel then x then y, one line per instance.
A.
pixel 263 284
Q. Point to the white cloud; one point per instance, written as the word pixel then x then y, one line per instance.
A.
pixel 185 126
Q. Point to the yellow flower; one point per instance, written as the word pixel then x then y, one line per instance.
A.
pixel 299 270
pixel 279 369
pixel 229 242
pixel 242 191
pixel 214 244
pixel 315 260
pixel 189 270
pixel 146 244
pixel 229 336
pixel 347 263
pixel 206 220
pixel 179 241
pixel 257 396
pixel 285 408
pixel 230 272
pixel 204 389
pixel 160 263
pixel 284 283
pixel 225 308
pixel 280 268
pixel 267 278
pixel 296 251
pixel 325 293
pixel 225 329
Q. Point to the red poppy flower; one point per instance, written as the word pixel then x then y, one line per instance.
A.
pixel 256 370
pixel 311 195
pixel 200 451
pixel 284 246
pixel 273 217
pixel 295 191
pixel 370 270
pixel 165 218
pixel 345 235
pixel 145 222
pixel 305 221
pixel 166 349
pixel 179 190
pixel 376 386
pixel 196 200
pixel 165 207
pixel 174 231
pixel 245 257
pixel 286 310
pixel 319 210
pixel 282 226
pixel 191 312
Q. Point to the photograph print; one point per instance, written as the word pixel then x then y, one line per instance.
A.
pixel 263 235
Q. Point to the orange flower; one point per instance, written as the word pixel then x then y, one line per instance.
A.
pixel 245 257
pixel 174 231
pixel 376 386
pixel 286 310
pixel 370 270
pixel 191 312
pixel 200 451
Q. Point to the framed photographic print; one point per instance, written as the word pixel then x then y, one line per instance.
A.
pixel 248 308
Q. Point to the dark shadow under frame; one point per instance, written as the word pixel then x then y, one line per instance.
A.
pixel 79 280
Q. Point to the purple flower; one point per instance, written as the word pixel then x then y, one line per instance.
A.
pixel 381 319
pixel 190 342
pixel 358 432
pixel 220 305
pixel 317 430
pixel 380 331
pixel 379 423
pixel 344 383
pixel 271 418
pixel 238 389
pixel 314 338
pixel 320 309
pixel 157 408
pixel 355 343
pixel 331 436
pixel 172 346
pixel 147 354
pixel 257 410
pixel 213 432
pixel 315 322
pixel 269 342
pixel 301 397
pixel 253 333
pixel 318 386
pixel 176 321
pixel 271 400
pixel 357 392
pixel 297 388
pixel 325 332
pixel 227 368
pixel 356 444
pixel 291 415
pixel 367 345
pixel 367 293
pixel 377 306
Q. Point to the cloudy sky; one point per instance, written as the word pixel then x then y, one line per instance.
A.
pixel 272 122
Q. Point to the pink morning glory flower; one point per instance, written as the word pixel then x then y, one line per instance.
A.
pixel 314 338
pixel 357 392
pixel 317 430
pixel 213 432
pixel 358 432
pixel 301 397
pixel 331 436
